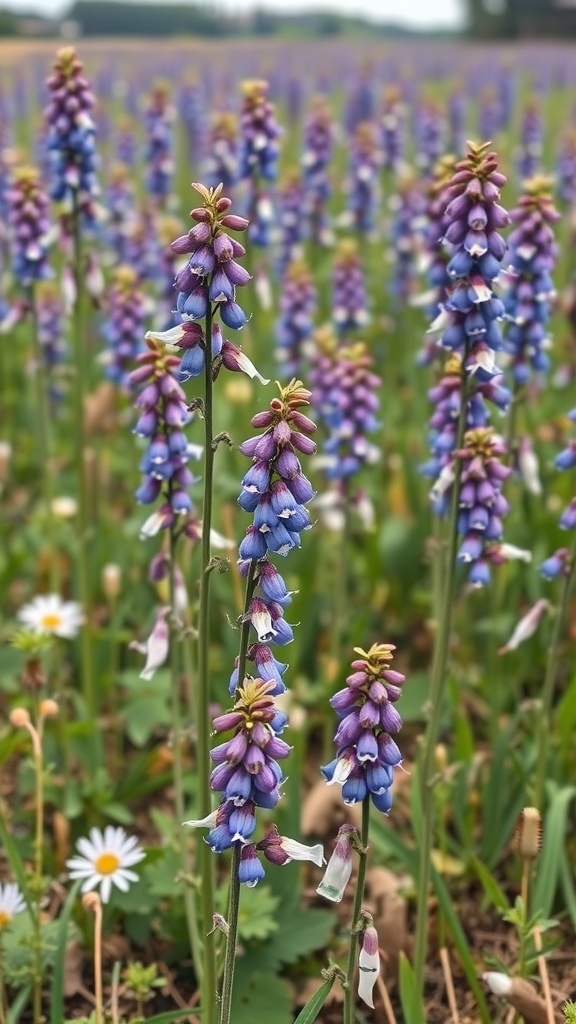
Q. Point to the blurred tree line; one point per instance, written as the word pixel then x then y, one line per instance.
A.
pixel 515 19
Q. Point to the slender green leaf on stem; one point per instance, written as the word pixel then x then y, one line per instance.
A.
pixel 356 910
pixel 178 772
pixel 79 390
pixel 549 863
pixel 309 1012
pixel 568 888
pixel 203 723
pixel 175 1015
pixel 57 987
pixel 230 956
pixel 15 863
pixel 18 1005
pixel 490 885
pixel 390 843
pixel 412 1007
pixel 550 678
pixel 438 684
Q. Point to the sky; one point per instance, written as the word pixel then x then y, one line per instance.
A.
pixel 421 13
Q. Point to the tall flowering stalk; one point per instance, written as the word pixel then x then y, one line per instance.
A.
pixel 363 178
pixel 393 129
pixel 166 480
pixel 290 220
pixel 71 143
pixel 159 117
pixel 259 150
pixel 350 305
pixel 562 564
pixel 469 327
pixel 206 288
pixel 532 257
pixel 221 162
pixel 28 226
pixel 123 328
pixel 317 151
pixel 529 156
pixel 247 774
pixel 295 323
pixel 366 756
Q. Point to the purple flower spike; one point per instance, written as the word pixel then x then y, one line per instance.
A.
pixel 365 752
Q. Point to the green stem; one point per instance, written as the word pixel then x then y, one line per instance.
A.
pixel 518 395
pixel 340 612
pixel 230 957
pixel 348 1016
pixel 206 857
pixel 79 392
pixel 440 661
pixel 234 890
pixel 43 442
pixel 178 773
pixel 36 735
pixel 552 667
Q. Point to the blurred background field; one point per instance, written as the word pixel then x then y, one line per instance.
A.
pixel 504 73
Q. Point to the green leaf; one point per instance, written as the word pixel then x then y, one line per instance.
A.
pixel 170 1015
pixel 300 934
pixel 489 884
pixel 258 917
pixel 15 863
pixel 160 876
pixel 18 1004
pixel 549 863
pixel 143 715
pixel 259 997
pixel 411 1006
pixel 309 1012
pixel 57 988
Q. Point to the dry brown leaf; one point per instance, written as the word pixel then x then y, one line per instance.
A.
pixel 323 811
pixel 99 410
pixel 61 832
pixel 73 964
pixel 390 912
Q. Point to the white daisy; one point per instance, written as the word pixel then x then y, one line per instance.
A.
pixel 48 613
pixel 11 903
pixel 105 860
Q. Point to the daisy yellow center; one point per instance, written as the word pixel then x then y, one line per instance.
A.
pixel 5 918
pixel 51 620
pixel 107 863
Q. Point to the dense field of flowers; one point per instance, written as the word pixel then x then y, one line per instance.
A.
pixel 287 534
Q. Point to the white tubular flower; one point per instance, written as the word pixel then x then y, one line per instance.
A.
pixel 156 647
pixel 511 553
pixel 369 965
pixel 11 903
pixel 499 984
pixel 105 861
pixel 444 482
pixel 299 851
pixel 529 468
pixel 49 614
pixel 527 626
pixel 339 869
pixel 208 822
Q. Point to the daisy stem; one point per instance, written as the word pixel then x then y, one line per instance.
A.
pixel 230 955
pixel 36 736
pixel 550 677
pixel 439 665
pixel 178 770
pixel 203 700
pixel 79 391
pixel 348 1016
pixel 98 990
